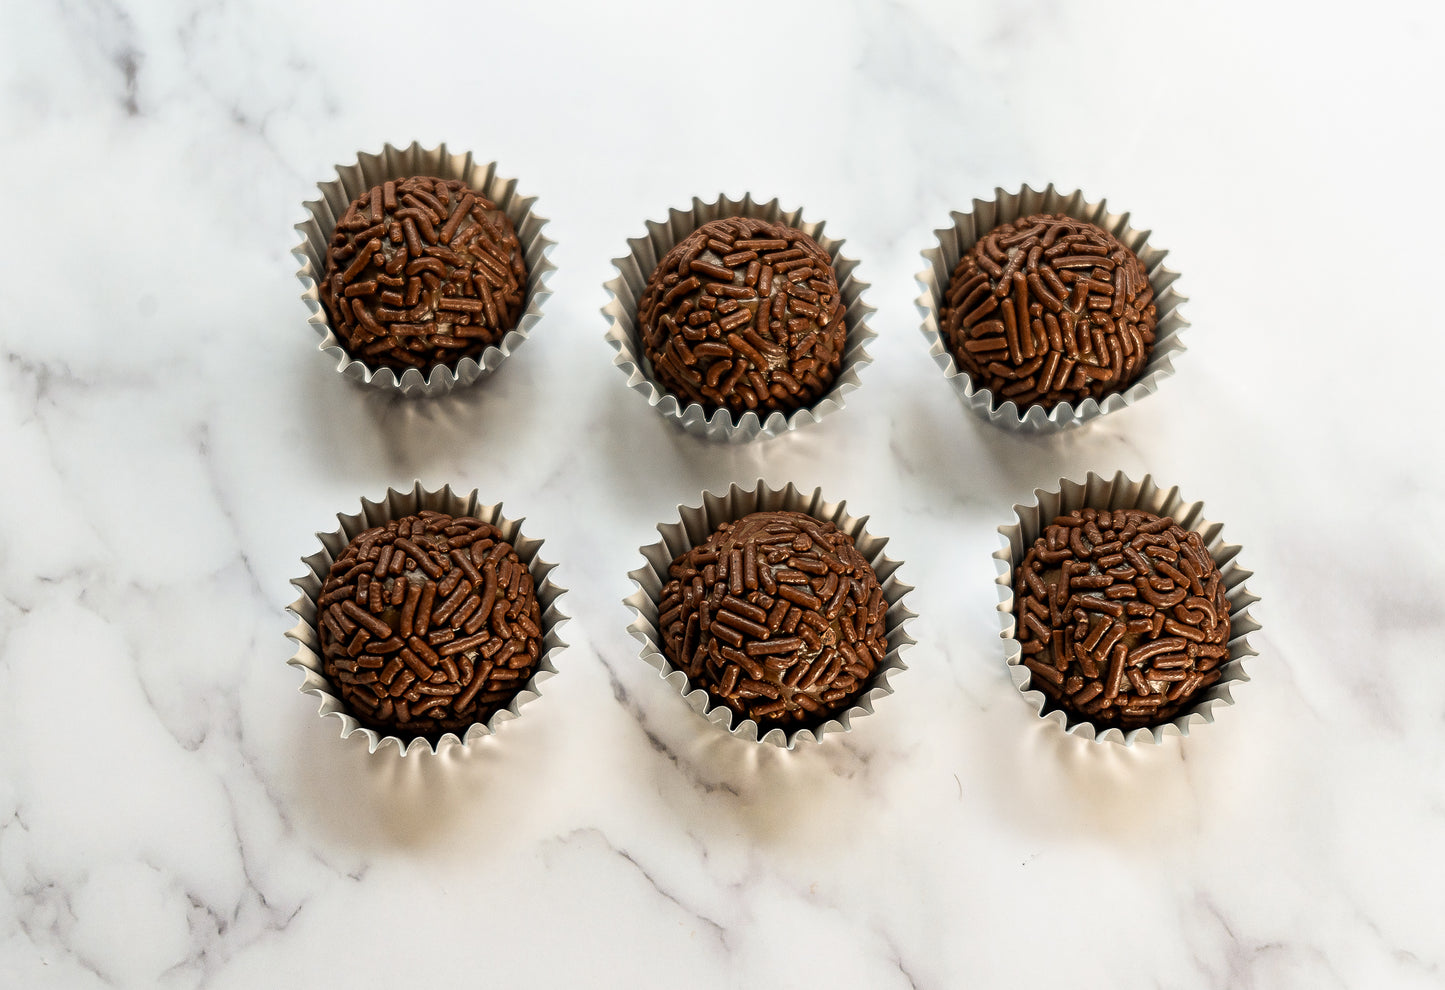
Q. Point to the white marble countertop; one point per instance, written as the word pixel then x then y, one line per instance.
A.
pixel 174 814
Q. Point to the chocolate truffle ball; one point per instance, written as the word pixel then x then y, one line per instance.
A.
pixel 1122 617
pixel 428 624
pixel 420 272
pixel 744 314
pixel 1049 309
pixel 778 616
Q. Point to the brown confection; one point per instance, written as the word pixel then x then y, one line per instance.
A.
pixel 428 624
pixel 420 272
pixel 1122 617
pixel 744 314
pixel 1049 309
pixel 778 616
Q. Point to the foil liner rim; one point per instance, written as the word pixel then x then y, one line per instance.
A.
pixel 393 504
pixel 621 313
pixel 1120 491
pixel 393 162
pixel 705 518
pixel 1034 419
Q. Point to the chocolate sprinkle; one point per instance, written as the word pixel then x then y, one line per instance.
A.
pixel 422 271
pixel 778 616
pixel 1049 309
pixel 1122 616
pixel 428 624
pixel 744 314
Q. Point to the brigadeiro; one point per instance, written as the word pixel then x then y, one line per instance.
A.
pixel 1044 310
pixel 1122 616
pixel 778 616
pixel 422 271
pixel 1048 309
pixel 744 314
pixel 428 624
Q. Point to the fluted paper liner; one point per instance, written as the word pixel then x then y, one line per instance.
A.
pixel 393 163
pixel 696 524
pixel 1119 492
pixel 965 231
pixel 395 505
pixel 626 292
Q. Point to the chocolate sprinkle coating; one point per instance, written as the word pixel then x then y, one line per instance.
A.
pixel 422 271
pixel 778 616
pixel 744 314
pixel 1122 616
pixel 1049 309
pixel 428 624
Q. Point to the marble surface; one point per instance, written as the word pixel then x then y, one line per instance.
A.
pixel 174 814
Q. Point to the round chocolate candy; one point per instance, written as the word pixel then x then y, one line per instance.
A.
pixel 428 624
pixel 1049 309
pixel 744 314
pixel 1122 617
pixel 777 616
pixel 420 272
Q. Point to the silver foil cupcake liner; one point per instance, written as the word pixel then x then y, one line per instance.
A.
pixel 394 505
pixel 1119 492
pixel 626 292
pixel 397 163
pixel 965 231
pixel 695 524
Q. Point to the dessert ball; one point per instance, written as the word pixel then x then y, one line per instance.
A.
pixel 420 272
pixel 744 314
pixel 1122 616
pixel 428 624
pixel 778 616
pixel 1049 309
